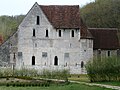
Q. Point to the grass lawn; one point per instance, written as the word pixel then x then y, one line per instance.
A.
pixel 55 87
pixel 79 77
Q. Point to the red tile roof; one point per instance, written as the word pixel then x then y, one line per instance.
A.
pixel 66 16
pixel 62 16
pixel 84 31
pixel 105 38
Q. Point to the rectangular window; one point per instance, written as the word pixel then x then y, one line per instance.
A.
pixel 108 53
pixel 46 33
pixel 72 33
pixel 59 33
pixel 90 43
pixel 20 54
pixel 38 20
pixel 66 55
pixel 44 54
pixel 33 32
pixel 118 53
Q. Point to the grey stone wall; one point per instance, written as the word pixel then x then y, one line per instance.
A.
pixel 104 53
pixel 7 50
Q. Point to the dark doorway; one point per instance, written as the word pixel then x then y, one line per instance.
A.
pixel 82 64
pixel 33 60
pixel 56 61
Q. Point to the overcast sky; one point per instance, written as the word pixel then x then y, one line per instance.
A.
pixel 17 7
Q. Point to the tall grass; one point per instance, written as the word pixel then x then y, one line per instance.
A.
pixel 49 74
pixel 107 69
pixel 55 74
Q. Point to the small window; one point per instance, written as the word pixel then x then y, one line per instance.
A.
pixel 33 60
pixel 38 20
pixel 14 56
pixel 19 54
pixel 118 53
pixel 59 33
pixel 46 33
pixel 99 51
pixel 72 33
pixel 33 32
pixel 108 53
pixel 66 55
pixel 44 54
pixel 82 64
pixel 35 44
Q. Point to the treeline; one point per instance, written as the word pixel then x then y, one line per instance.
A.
pixel 9 24
pixel 102 14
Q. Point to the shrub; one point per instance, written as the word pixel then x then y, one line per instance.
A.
pixel 107 69
pixel 56 74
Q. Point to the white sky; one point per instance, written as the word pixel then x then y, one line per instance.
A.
pixel 17 7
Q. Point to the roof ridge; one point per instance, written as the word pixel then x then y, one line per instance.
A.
pixel 104 28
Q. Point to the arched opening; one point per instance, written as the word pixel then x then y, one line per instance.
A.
pixel 33 60
pixel 82 64
pixel 56 61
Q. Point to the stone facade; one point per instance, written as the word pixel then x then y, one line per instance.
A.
pixel 38 44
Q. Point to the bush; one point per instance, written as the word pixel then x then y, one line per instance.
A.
pixel 55 74
pixel 107 69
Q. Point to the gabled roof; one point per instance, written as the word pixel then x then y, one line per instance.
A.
pixel 85 34
pixel 62 16
pixel 66 16
pixel 105 38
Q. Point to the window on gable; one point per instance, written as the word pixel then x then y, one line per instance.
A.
pixel 38 20
pixel 72 33
pixel 46 33
pixel 59 33
pixel 33 32
pixel 44 54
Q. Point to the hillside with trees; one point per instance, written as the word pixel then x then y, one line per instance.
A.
pixel 9 24
pixel 102 14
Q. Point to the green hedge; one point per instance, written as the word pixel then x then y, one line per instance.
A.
pixel 107 69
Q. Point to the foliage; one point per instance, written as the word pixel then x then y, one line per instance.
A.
pixel 55 74
pixel 9 24
pixel 54 87
pixel 102 14
pixel 107 69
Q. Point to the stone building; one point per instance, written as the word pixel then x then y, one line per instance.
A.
pixel 105 42
pixel 49 37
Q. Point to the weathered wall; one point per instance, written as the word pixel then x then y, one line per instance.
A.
pixel 7 50
pixel 104 53
pixel 29 45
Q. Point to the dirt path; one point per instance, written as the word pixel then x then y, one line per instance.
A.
pixel 100 85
